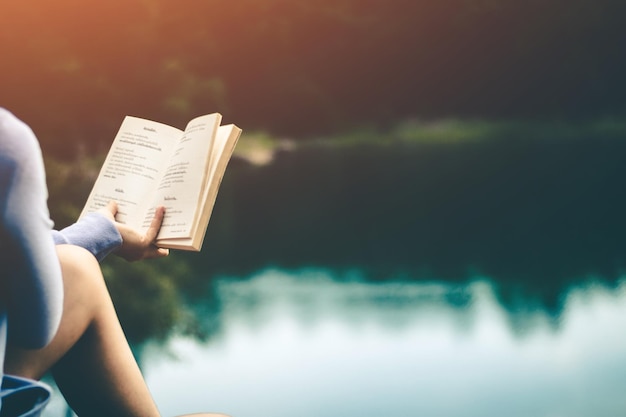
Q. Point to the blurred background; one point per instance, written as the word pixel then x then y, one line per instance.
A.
pixel 424 215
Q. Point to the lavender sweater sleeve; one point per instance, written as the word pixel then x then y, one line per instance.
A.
pixel 31 281
pixel 93 232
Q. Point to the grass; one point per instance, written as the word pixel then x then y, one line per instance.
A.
pixel 259 147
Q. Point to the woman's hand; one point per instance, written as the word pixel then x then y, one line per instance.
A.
pixel 136 246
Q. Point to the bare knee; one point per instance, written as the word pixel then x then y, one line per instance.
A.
pixel 82 276
pixel 75 259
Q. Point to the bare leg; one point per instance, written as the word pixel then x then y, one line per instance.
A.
pixel 90 357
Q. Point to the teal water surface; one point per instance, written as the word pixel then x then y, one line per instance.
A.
pixel 302 343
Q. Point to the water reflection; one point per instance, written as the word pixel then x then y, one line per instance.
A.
pixel 308 343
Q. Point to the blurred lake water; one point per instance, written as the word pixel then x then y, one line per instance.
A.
pixel 301 343
pixel 471 279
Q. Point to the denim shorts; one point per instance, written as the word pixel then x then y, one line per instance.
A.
pixel 23 397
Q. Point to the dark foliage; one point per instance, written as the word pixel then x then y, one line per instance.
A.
pixel 298 68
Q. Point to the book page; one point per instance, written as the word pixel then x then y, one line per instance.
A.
pixel 133 168
pixel 184 178
pixel 223 147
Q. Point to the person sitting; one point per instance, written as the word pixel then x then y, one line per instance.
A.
pixel 56 314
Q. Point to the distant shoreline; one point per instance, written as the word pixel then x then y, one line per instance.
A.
pixel 259 148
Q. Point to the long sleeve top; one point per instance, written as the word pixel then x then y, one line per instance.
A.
pixel 31 286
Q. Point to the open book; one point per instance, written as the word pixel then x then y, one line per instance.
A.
pixel 151 164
